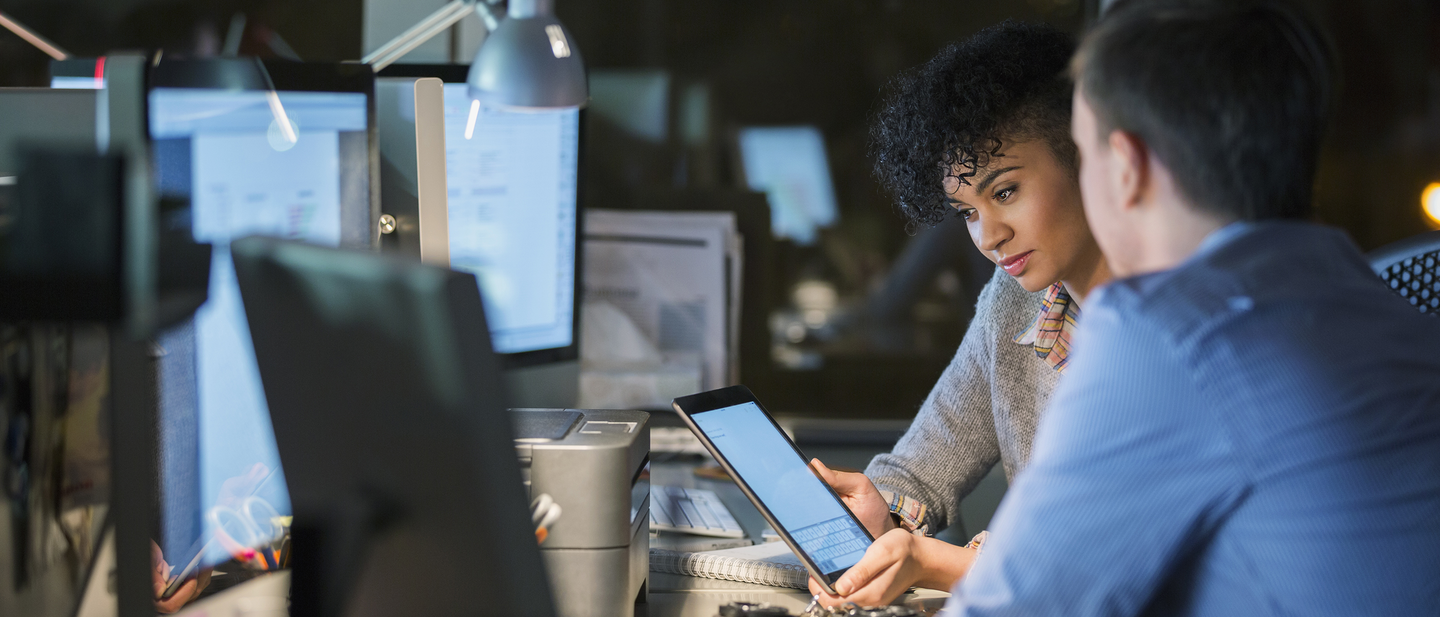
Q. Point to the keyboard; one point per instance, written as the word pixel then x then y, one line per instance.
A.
pixel 831 539
pixel 671 440
pixel 691 510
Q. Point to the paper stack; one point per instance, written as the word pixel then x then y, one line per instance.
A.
pixel 661 311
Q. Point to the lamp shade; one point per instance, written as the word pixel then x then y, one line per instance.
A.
pixel 529 62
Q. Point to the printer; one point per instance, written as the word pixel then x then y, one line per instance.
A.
pixel 590 462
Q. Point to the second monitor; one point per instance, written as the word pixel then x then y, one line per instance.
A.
pixel 513 220
pixel 271 148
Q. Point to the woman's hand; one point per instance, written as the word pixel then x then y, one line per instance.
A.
pixel 861 496
pixel 896 562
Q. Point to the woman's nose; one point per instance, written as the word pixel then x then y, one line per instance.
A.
pixel 991 234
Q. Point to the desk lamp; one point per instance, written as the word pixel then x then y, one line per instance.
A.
pixel 525 63
pixel 32 37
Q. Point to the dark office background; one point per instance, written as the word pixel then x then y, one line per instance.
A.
pixel 823 62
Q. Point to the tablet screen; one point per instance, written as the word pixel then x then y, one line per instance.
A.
pixel 781 479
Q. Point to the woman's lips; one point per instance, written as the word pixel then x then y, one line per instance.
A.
pixel 1015 264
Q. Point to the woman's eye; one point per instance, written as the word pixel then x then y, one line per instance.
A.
pixel 966 213
pixel 1004 194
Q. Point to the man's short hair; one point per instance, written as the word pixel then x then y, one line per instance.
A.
pixel 1232 96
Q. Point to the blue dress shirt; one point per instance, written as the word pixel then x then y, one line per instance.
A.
pixel 1255 432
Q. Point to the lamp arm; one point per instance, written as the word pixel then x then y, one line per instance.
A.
pixel 530 8
pixel 32 38
pixel 436 23
pixel 486 10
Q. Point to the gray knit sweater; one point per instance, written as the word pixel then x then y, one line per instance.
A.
pixel 984 408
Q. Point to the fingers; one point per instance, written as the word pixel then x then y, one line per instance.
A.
pixel 880 576
pixel 876 591
pixel 877 559
pixel 842 481
pixel 825 474
pixel 815 588
pixel 882 589
pixel 825 598
pixel 176 602
pixel 160 571
pixel 858 576
pixel 839 480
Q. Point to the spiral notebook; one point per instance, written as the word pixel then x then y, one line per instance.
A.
pixel 770 563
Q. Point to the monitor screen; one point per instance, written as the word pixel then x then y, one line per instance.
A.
pixel 788 164
pixel 288 164
pixel 78 73
pixel 511 180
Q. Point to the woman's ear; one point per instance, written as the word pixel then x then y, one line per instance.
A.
pixel 1131 171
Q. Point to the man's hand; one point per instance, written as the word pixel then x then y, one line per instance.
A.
pixel 160 576
pixel 861 496
pixel 896 562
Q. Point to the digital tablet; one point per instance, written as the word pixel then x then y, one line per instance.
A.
pixel 772 472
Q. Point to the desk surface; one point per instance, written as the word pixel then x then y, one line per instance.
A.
pixel 670 595
pixel 684 596
pixel 265 596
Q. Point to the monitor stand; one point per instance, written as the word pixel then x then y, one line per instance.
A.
pixel 554 385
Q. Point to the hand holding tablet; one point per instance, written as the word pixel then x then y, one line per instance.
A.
pixel 859 495
pixel 773 474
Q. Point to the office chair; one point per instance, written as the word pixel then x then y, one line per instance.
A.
pixel 1411 267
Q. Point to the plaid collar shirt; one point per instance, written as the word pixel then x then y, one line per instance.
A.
pixel 1053 328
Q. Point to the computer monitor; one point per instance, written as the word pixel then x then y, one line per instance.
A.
pixel 63 262
pixel 391 422
pixel 635 100
pixel 42 116
pixel 77 73
pixel 513 221
pixel 295 161
pixel 789 165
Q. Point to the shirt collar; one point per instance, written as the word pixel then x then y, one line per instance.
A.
pixel 1221 237
pixel 1051 331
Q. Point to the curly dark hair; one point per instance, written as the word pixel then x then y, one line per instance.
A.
pixel 951 115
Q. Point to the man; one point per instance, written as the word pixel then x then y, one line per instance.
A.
pixel 1252 422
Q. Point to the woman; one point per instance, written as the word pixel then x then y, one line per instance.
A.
pixel 982 131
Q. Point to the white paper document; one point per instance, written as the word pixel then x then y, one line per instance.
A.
pixel 661 311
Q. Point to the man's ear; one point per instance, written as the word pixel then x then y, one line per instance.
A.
pixel 1131 172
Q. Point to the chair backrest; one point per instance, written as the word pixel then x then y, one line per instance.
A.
pixel 1411 267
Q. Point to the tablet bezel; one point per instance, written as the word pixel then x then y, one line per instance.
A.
pixel 687 406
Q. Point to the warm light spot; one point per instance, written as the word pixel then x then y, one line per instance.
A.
pixel 1430 202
